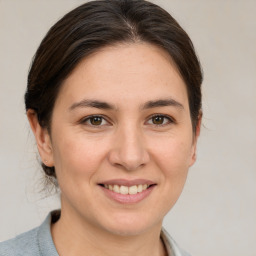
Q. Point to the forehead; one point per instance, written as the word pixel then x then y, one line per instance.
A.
pixel 125 72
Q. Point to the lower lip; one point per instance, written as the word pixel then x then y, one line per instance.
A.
pixel 128 199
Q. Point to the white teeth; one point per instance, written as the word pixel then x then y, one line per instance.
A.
pixel 116 189
pixel 133 190
pixel 124 190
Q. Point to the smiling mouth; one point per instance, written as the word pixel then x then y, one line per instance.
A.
pixel 127 190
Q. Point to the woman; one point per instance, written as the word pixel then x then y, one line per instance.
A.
pixel 114 102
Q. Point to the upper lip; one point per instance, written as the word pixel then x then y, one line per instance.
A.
pixel 128 183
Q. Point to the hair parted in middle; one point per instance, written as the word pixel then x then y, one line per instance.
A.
pixel 94 25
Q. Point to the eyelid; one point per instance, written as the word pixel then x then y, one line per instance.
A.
pixel 171 120
pixel 84 121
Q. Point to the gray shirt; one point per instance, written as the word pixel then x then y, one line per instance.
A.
pixel 38 242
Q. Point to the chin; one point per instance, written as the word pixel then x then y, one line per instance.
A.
pixel 127 231
pixel 132 226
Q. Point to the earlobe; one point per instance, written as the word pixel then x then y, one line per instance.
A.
pixel 42 137
pixel 193 157
pixel 196 135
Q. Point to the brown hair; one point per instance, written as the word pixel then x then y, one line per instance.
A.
pixel 94 25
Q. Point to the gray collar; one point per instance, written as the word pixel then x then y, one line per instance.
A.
pixel 44 236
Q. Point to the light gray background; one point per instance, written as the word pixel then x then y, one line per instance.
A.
pixel 216 214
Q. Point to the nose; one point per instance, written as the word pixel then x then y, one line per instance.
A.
pixel 128 150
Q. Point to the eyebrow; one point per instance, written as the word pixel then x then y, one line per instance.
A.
pixel 92 104
pixel 107 106
pixel 162 103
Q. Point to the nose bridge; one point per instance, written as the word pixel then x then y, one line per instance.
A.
pixel 129 148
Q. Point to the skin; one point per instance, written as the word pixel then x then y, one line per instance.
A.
pixel 128 144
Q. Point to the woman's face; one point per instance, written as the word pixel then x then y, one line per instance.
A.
pixel 121 139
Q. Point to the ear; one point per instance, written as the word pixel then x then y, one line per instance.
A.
pixel 42 137
pixel 195 138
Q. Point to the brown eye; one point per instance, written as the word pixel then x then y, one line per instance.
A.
pixel 158 120
pixel 96 120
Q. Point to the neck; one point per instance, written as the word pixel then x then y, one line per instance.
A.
pixel 87 239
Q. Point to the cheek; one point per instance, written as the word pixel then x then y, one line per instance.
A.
pixel 76 157
pixel 171 159
pixel 174 163
pixel 172 154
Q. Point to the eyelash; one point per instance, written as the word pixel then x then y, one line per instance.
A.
pixel 87 119
pixel 170 119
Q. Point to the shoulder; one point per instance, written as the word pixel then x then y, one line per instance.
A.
pixel 36 242
pixel 24 244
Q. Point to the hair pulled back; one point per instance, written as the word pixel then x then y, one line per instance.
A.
pixel 100 23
